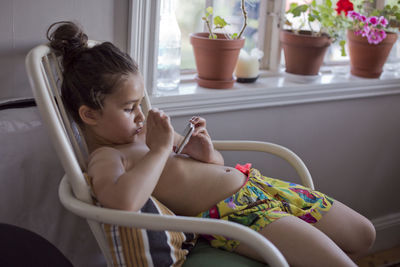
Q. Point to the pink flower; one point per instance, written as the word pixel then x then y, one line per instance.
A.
pixel 363 18
pixel 365 31
pixel 370 27
pixel 382 34
pixel 376 36
pixel 372 39
pixel 353 15
pixel 383 21
pixel 373 20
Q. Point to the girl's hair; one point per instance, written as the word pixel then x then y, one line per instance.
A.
pixel 89 74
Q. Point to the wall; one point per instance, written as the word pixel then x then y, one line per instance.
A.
pixel 23 25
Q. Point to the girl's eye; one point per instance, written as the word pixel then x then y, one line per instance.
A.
pixel 129 109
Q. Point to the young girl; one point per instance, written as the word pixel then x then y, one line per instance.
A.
pixel 132 158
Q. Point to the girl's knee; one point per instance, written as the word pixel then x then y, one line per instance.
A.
pixel 369 234
pixel 365 236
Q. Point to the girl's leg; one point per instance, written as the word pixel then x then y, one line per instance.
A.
pixel 301 244
pixel 351 231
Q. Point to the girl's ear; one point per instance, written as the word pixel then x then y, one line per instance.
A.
pixel 88 115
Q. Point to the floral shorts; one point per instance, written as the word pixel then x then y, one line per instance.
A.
pixel 262 200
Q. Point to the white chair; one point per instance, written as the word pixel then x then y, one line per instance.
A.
pixel 45 77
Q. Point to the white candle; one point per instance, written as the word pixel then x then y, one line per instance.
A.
pixel 248 65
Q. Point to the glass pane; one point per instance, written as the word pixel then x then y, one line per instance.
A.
pixel 394 57
pixel 189 14
pixel 232 13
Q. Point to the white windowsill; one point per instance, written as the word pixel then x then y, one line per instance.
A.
pixel 275 90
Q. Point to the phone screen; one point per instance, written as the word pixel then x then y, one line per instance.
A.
pixel 187 133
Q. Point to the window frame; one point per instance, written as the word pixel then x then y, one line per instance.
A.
pixel 143 46
pixel 144 27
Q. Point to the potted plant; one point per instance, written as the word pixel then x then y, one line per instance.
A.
pixel 371 35
pixel 306 40
pixel 215 53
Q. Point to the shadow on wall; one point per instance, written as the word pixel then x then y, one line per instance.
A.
pixel 24 25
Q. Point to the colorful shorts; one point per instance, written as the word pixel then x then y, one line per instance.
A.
pixel 262 200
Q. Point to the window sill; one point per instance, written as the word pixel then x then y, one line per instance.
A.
pixel 333 83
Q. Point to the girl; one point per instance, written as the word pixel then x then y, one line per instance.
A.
pixel 132 158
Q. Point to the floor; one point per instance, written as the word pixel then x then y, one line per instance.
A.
pixel 387 258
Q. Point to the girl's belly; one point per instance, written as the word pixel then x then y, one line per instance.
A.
pixel 188 187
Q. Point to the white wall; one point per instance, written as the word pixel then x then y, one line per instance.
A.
pixel 23 25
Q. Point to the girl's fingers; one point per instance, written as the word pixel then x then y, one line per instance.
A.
pixel 199 124
pixel 199 130
pixel 158 117
pixel 202 134
pixel 197 120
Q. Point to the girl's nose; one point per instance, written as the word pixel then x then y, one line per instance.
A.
pixel 139 116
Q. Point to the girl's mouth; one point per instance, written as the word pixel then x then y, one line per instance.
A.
pixel 138 130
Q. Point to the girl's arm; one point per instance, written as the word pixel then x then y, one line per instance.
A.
pixel 129 190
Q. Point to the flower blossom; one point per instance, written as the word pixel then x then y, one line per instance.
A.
pixel 372 27
pixel 383 21
pixel 345 6
pixel 376 36
pixel 353 15
pixel 373 20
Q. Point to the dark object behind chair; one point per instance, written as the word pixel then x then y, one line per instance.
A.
pixel 21 247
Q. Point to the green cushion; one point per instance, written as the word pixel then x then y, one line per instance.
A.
pixel 205 255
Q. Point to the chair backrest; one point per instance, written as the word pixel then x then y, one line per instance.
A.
pixel 45 76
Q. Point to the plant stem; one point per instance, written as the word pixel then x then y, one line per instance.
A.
pixel 209 28
pixel 311 29
pixel 245 20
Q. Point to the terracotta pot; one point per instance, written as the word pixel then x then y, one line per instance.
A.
pixel 215 59
pixel 303 52
pixel 367 60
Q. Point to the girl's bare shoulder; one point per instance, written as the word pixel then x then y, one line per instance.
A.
pixel 104 151
pixel 105 154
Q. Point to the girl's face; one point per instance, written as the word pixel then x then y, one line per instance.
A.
pixel 121 119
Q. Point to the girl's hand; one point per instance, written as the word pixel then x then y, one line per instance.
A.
pixel 200 146
pixel 159 131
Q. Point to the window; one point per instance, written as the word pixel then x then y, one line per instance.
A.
pixel 189 24
pixel 263 14
pixel 228 9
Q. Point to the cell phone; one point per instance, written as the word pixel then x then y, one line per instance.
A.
pixel 187 133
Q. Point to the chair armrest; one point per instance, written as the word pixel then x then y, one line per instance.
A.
pixel 270 148
pixel 172 223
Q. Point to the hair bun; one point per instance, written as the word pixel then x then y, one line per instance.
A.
pixel 67 39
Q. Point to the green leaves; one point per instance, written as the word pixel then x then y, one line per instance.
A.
pixel 234 35
pixel 219 23
pixel 297 9
pixel 209 11
pixel 391 13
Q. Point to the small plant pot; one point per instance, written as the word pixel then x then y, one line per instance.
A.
pixel 215 59
pixel 304 53
pixel 367 60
